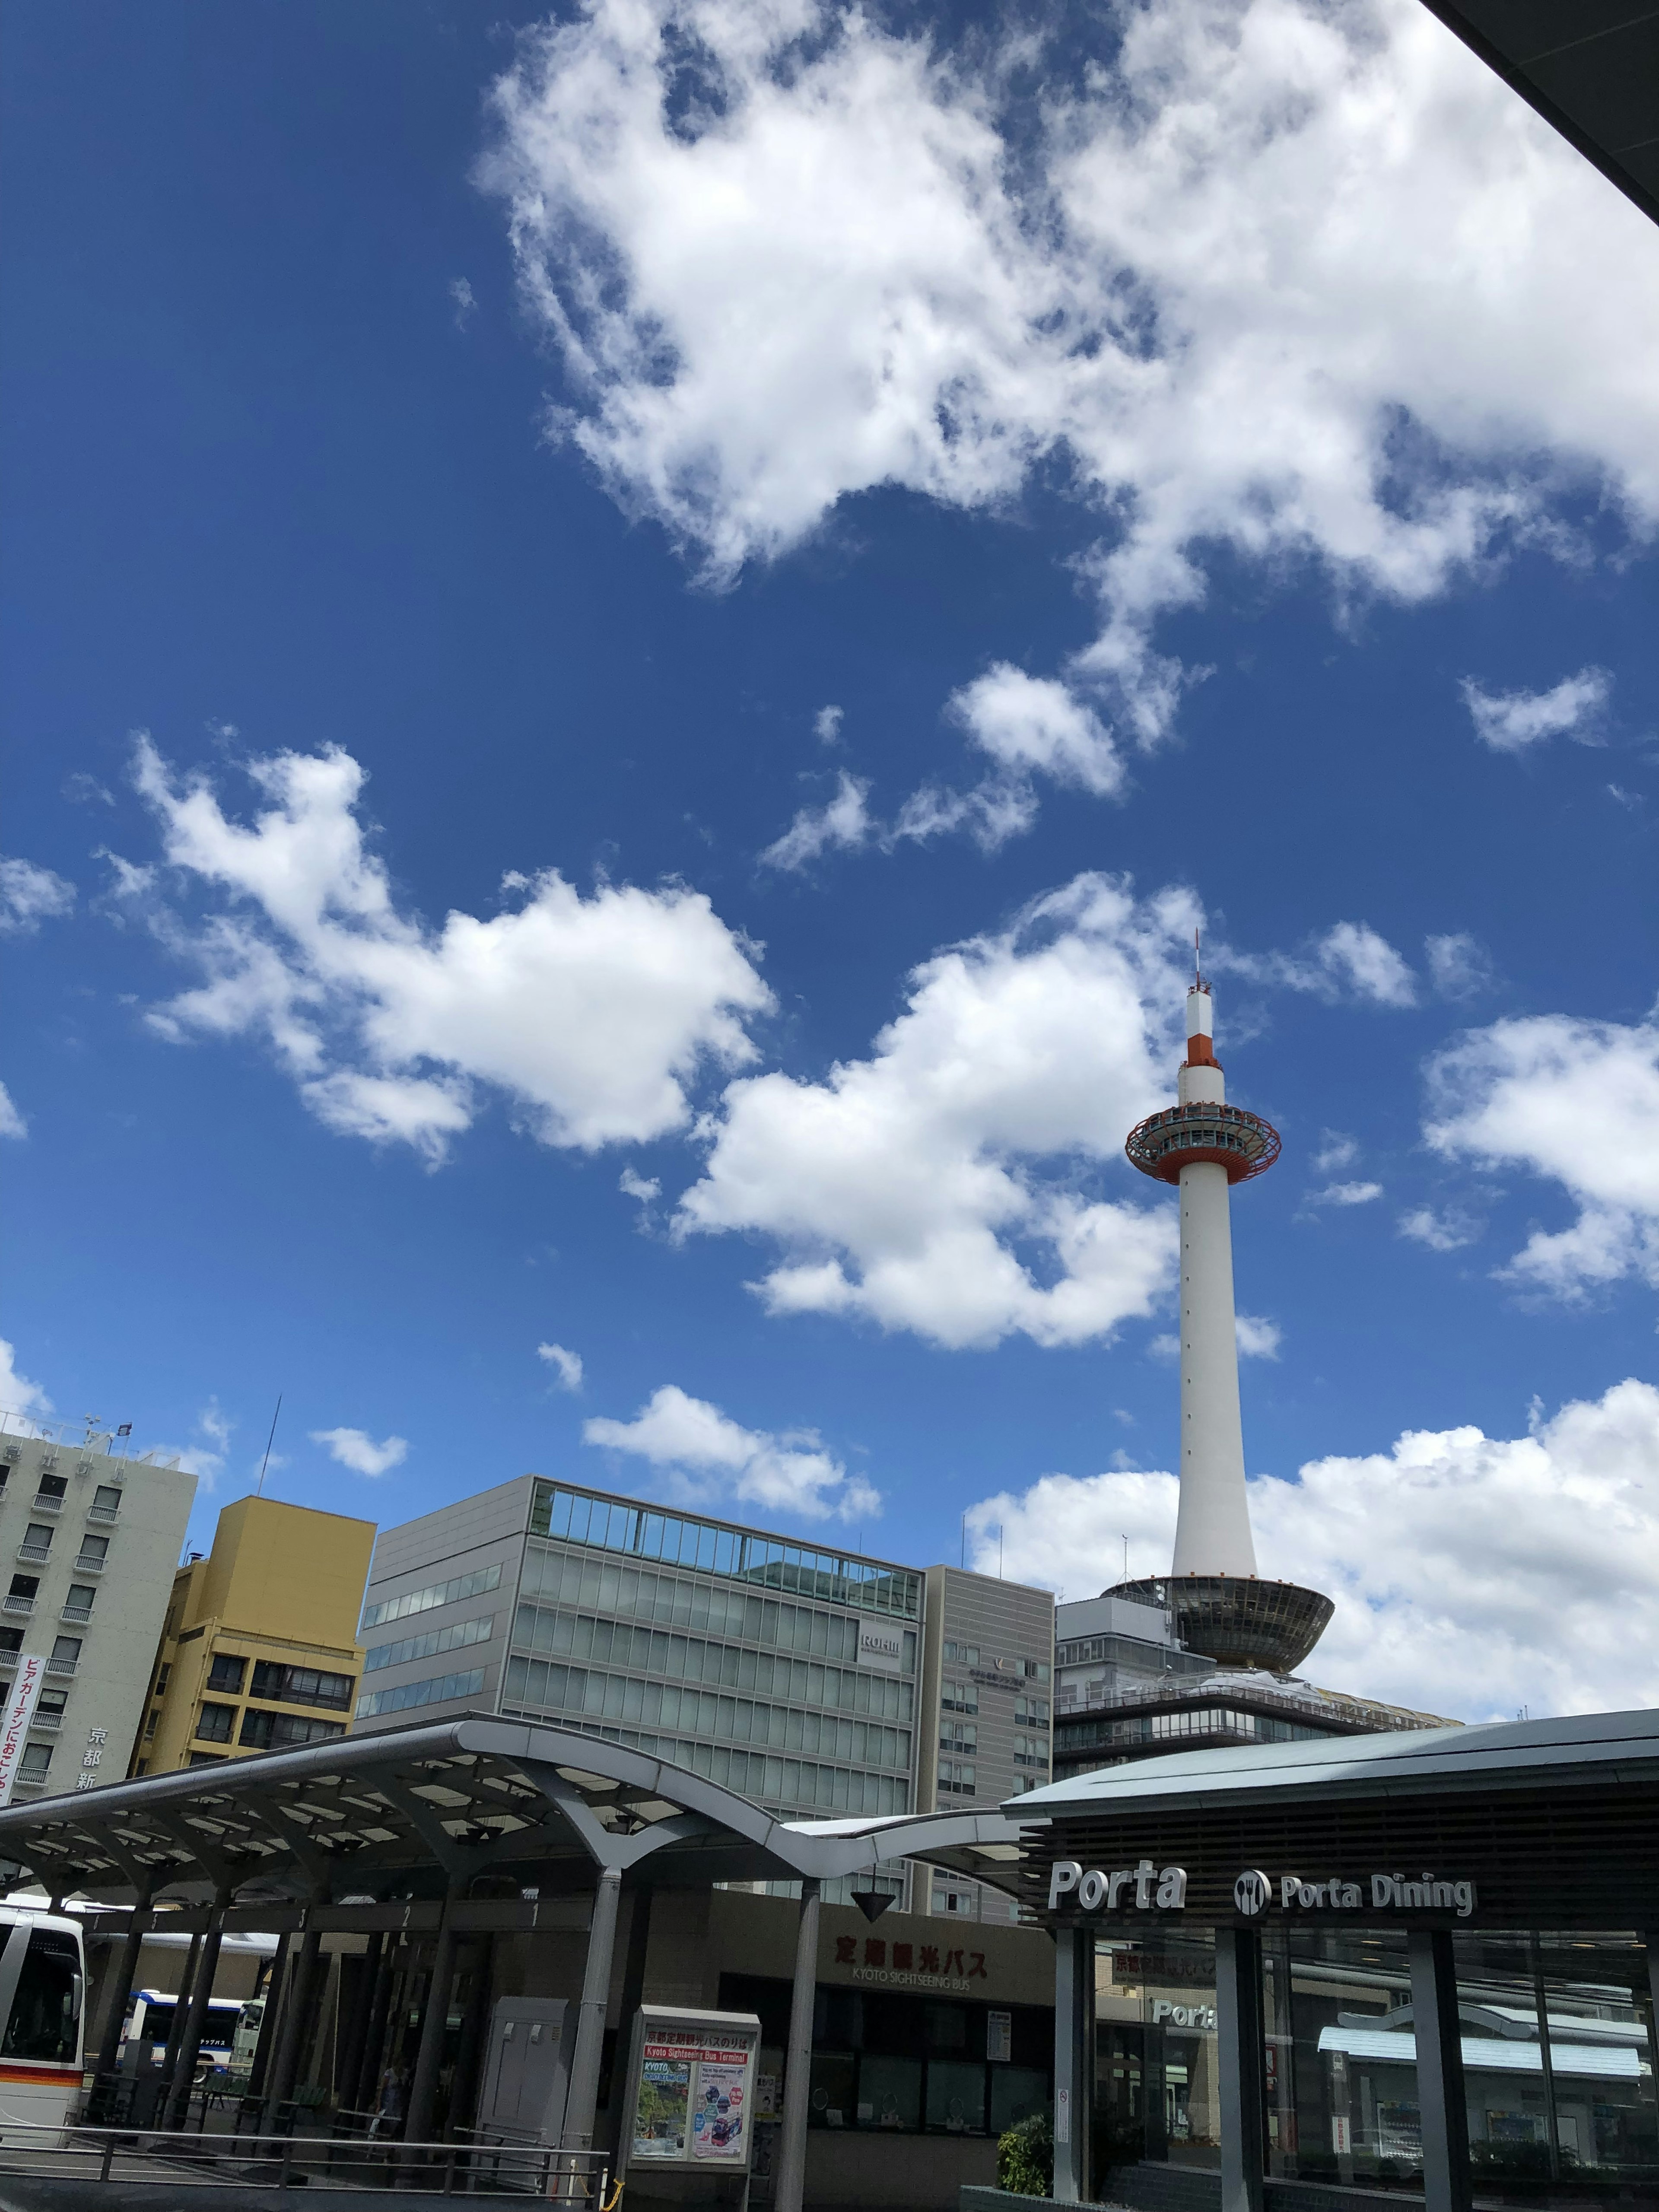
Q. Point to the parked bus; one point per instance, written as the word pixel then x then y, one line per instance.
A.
pixel 42 1980
pixel 151 2014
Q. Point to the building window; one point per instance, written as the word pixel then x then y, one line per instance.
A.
pixel 300 1686
pixel 66 1655
pixel 163 1674
pixel 276 1731
pixel 25 1589
pixel 1031 1711
pixel 149 1725
pixel 206 1759
pixel 224 1674
pixel 11 1643
pixel 1032 1750
pixel 50 1710
pixel 143 1768
pixel 959 1697
pixel 958 1736
pixel 77 1606
pixel 960 1654
pixel 95 1555
pixel 217 1723
pixel 436 1691
pixel 37 1541
pixel 106 1502
pixel 49 1491
pixel 32 1766
pixel 956 1777
pixel 435 1594
pixel 1025 1782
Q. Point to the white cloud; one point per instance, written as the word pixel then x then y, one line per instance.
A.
pixel 788 1474
pixel 205 1458
pixel 593 1016
pixel 29 895
pixel 843 821
pixel 1258 1339
pixel 25 1400
pixel 465 301
pixel 1351 960
pixel 357 1450
pixel 1472 1575
pixel 1300 281
pixel 1345 1193
pixel 1000 807
pixel 12 1123
pixel 646 1188
pixel 1448 1230
pixel 947 1184
pixel 1027 723
pixel 826 726
pixel 566 1364
pixel 1576 1102
pixel 1336 1151
pixel 1458 966
pixel 1511 721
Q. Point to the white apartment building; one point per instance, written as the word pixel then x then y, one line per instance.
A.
pixel 88 1543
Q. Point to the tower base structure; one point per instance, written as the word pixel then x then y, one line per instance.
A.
pixel 1238 1621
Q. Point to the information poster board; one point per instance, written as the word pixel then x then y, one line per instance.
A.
pixel 691 2081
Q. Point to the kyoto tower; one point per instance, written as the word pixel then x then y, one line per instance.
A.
pixel 1204 1147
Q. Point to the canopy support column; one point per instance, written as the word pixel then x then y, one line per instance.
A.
pixel 435 2022
pixel 798 2059
pixel 1074 2063
pixel 1239 2068
pixel 207 1968
pixel 583 2099
pixel 301 1980
pixel 121 1990
pixel 1440 2093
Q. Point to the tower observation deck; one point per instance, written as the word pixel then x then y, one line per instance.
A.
pixel 1203 1146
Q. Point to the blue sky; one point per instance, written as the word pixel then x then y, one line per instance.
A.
pixel 665 554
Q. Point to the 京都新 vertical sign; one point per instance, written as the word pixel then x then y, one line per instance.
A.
pixel 20 1711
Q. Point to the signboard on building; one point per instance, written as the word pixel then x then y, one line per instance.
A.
pixel 881 1647
pixel 691 2087
pixel 20 1711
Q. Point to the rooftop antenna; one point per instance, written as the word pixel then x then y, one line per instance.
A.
pixel 259 1486
pixel 1198 964
pixel 1126 1558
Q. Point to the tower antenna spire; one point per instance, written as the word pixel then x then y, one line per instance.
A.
pixel 1198 964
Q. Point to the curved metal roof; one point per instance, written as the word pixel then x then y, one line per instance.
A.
pixel 414 1812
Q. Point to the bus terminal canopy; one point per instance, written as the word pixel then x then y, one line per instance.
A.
pixel 426 1812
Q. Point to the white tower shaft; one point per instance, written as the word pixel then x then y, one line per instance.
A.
pixel 1212 1523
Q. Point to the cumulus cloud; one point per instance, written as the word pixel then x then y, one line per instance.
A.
pixel 1511 721
pixel 29 895
pixel 1026 723
pixel 843 820
pixel 1577 1103
pixel 1458 966
pixel 567 1365
pixel 966 1181
pixel 1300 282
pixel 357 1450
pixel 826 726
pixel 1258 1339
pixel 25 1400
pixel 1553 1605
pixel 1446 1230
pixel 1336 1151
pixel 592 1016
pixel 646 1188
pixel 1345 1193
pixel 12 1123
pixel 696 1442
pixel 1351 960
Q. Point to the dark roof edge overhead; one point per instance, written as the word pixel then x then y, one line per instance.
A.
pixel 1514 74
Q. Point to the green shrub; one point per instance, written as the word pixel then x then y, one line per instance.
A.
pixel 1025 2157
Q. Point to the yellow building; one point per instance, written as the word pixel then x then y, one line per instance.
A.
pixel 259 1649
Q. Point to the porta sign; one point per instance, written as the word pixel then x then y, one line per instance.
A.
pixel 1144 1888
pixel 20 1711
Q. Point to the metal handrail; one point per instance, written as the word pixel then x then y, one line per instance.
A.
pixel 446 2169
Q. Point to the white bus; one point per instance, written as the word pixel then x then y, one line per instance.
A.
pixel 151 2014
pixel 42 1980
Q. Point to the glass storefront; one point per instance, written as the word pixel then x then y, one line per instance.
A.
pixel 1155 2051
pixel 1557 2060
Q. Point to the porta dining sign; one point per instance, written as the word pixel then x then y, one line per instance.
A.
pixel 20 1711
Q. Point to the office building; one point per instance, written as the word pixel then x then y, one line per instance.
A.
pixel 259 1650
pixel 93 1538
pixel 987 1691
pixel 791 1673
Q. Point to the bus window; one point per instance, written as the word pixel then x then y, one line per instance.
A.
pixel 45 2011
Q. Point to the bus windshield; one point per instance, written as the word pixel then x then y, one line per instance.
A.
pixel 47 2009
